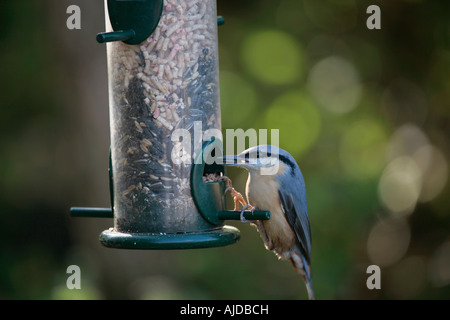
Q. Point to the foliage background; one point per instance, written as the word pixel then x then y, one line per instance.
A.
pixel 364 112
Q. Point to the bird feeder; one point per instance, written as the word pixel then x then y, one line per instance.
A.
pixel 163 89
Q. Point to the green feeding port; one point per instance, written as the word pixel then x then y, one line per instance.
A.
pixel 209 197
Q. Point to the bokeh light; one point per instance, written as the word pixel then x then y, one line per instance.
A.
pixel 406 140
pixel 297 118
pixel 238 99
pixel 335 84
pixel 362 149
pixel 400 185
pixel 417 171
pixel 434 168
pixel 272 57
pixel 388 241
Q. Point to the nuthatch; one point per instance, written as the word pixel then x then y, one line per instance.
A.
pixel 275 183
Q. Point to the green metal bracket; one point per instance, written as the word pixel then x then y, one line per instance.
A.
pixel 133 21
pixel 209 197
pixel 82 212
pixel 220 21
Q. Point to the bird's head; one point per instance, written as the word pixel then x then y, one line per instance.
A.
pixel 264 159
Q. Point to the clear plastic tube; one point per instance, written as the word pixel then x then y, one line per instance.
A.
pixel 168 82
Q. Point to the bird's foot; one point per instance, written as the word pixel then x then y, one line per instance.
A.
pixel 228 181
pixel 237 196
pixel 243 220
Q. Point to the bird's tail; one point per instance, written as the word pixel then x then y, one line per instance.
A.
pixel 310 289
pixel 308 280
pixel 302 266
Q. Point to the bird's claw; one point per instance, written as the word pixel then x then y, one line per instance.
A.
pixel 238 198
pixel 243 220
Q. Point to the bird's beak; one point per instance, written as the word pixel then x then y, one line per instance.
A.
pixel 233 160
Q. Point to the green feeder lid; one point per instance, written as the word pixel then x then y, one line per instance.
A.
pixel 133 21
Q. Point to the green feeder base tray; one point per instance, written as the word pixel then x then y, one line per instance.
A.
pixel 218 237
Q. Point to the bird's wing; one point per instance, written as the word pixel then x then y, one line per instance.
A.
pixel 296 215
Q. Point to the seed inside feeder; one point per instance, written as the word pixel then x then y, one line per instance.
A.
pixel 166 83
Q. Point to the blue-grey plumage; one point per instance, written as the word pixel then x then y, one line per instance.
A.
pixel 275 183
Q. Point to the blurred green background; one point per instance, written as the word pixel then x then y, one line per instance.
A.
pixel 365 113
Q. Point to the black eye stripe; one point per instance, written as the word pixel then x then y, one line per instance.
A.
pixel 288 162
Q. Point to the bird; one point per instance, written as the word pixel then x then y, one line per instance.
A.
pixel 275 183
